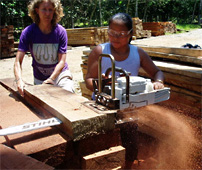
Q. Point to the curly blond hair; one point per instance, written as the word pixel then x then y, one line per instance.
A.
pixel 58 13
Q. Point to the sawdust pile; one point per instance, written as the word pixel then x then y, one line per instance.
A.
pixel 177 145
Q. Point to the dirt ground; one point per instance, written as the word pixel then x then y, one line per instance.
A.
pixel 180 137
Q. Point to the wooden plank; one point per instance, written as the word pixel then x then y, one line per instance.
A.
pixel 181 76
pixel 107 159
pixel 181 51
pixel 176 57
pixel 85 91
pixel 87 52
pixel 85 66
pixel 191 94
pixel 78 120
pixel 192 72
pixel 195 72
pixel 12 159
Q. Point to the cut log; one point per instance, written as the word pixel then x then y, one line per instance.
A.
pixel 78 120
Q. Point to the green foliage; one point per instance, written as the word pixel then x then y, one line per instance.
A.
pixel 187 27
pixel 86 13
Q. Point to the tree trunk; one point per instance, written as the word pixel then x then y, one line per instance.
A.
pixel 72 18
pixel 100 13
pixel 145 11
pixel 193 11
pixel 200 13
pixel 136 9
pixel 127 6
pixel 93 11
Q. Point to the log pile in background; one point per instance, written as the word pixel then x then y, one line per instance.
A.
pixel 182 70
pixel 7 41
pixel 91 36
pixel 169 27
pixel 181 67
pixel 138 30
pixel 87 36
pixel 159 28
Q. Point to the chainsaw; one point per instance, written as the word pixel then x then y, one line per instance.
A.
pixel 112 93
pixel 125 91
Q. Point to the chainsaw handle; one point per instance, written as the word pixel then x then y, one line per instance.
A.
pixel 100 73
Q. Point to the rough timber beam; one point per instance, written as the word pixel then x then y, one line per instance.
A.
pixel 78 120
pixel 180 51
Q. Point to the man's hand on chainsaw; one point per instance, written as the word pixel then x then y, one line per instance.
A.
pixel 158 85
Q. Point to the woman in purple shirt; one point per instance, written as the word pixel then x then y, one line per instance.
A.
pixel 47 42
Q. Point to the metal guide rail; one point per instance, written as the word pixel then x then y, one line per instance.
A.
pixel 30 126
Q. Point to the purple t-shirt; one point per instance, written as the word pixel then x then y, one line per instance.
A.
pixel 44 48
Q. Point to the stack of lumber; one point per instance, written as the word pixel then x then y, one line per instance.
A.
pixel 169 27
pixel 84 91
pixel 181 67
pixel 87 36
pixel 7 41
pixel 138 30
pixel 182 70
pixel 159 28
pixel 101 35
pixel 91 36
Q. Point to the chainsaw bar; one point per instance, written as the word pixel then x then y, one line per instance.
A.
pixel 30 126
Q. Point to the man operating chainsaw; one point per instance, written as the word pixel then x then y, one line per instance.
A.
pixel 129 58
